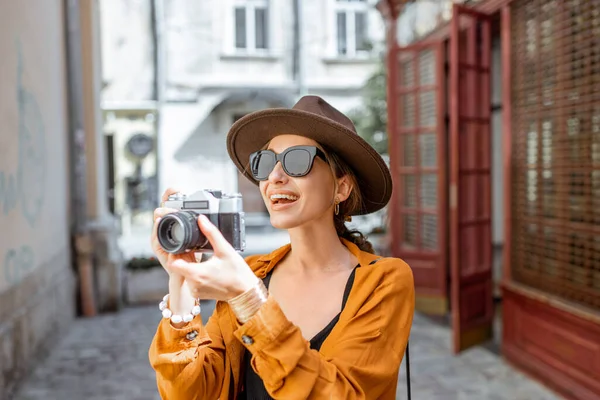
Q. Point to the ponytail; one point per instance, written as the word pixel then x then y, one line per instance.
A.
pixel 354 236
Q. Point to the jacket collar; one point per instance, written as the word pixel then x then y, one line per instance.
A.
pixel 270 260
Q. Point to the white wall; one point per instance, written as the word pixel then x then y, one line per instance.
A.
pixel 127 50
pixel 34 189
pixel 192 156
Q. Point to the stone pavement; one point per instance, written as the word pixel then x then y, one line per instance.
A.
pixel 105 358
pixel 475 374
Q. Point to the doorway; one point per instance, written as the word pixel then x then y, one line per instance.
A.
pixel 449 174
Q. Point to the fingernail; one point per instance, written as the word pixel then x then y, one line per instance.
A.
pixel 203 218
pixel 158 219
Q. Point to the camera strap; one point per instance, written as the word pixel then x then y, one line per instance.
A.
pixel 407 353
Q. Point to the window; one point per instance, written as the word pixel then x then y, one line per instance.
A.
pixel 352 27
pixel 251 25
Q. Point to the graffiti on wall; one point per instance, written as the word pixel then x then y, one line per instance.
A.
pixel 23 190
pixel 17 263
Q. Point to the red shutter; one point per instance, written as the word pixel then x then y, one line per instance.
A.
pixel 418 155
pixel 470 178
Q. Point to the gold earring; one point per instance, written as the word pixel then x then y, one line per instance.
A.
pixel 337 207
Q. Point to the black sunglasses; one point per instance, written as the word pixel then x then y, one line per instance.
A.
pixel 296 161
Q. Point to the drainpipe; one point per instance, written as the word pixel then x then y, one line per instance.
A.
pixel 80 234
pixel 158 36
pixel 298 64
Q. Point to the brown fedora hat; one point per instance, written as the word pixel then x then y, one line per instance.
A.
pixel 314 118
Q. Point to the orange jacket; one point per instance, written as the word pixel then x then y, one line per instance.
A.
pixel 359 359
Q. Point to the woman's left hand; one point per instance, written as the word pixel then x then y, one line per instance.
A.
pixel 223 276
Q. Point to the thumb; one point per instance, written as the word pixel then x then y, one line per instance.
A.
pixel 219 244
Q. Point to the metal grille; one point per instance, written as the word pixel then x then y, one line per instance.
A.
pixel 418 138
pixel 556 147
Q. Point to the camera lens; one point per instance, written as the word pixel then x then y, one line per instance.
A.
pixel 179 232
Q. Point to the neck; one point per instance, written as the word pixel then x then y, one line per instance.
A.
pixel 318 247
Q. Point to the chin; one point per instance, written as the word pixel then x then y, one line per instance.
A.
pixel 284 221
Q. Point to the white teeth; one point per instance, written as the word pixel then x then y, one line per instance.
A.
pixel 283 196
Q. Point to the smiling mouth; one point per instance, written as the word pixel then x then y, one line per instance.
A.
pixel 283 198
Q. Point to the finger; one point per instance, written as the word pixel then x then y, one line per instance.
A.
pixel 169 192
pixel 154 234
pixel 219 244
pixel 162 211
pixel 154 243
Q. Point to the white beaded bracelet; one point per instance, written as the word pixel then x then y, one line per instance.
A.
pixel 175 318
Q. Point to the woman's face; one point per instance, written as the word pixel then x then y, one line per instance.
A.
pixel 310 198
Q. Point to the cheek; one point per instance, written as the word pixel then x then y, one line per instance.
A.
pixel 318 190
pixel 262 186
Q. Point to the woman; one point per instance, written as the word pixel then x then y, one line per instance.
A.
pixel 319 318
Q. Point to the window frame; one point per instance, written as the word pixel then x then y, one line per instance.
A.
pixel 250 7
pixel 351 8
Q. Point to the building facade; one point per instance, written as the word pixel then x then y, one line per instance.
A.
pixel 494 121
pixel 200 65
pixel 52 222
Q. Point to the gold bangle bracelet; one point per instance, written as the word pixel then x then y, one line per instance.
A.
pixel 245 305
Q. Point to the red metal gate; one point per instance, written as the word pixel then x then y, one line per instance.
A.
pixel 418 152
pixel 470 178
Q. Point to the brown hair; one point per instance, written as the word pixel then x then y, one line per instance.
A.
pixel 354 202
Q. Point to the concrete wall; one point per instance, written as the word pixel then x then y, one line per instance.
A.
pixel 36 280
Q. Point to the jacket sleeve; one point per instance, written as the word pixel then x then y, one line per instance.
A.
pixel 362 364
pixel 189 361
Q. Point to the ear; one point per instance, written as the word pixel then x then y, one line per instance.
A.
pixel 344 188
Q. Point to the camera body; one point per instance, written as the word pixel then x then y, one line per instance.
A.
pixel 179 233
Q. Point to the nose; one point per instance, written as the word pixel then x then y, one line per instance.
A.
pixel 278 175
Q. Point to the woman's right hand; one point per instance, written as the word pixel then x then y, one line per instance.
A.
pixel 163 257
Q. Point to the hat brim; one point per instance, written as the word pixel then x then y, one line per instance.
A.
pixel 251 132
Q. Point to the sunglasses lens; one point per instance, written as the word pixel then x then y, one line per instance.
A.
pixel 263 164
pixel 297 162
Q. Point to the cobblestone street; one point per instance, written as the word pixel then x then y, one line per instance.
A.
pixel 105 358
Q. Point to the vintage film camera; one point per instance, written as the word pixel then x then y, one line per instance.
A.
pixel 178 232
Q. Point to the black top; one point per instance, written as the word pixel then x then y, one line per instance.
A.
pixel 254 387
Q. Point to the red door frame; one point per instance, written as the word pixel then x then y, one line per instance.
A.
pixel 470 172
pixel 506 50
pixel 441 34
pixel 429 266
